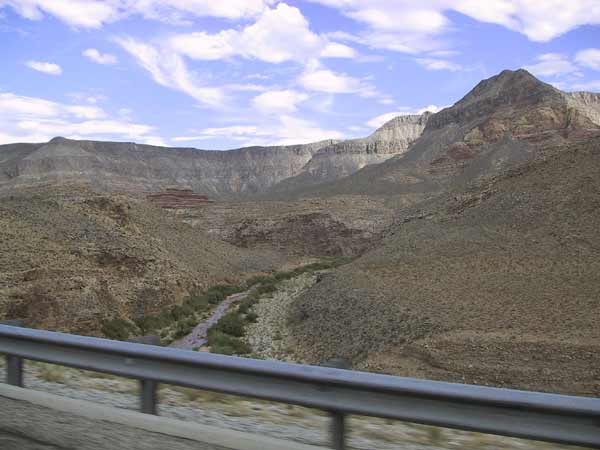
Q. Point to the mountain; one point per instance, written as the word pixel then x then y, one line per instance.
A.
pixel 338 160
pixel 498 125
pixel 135 168
pixel 489 274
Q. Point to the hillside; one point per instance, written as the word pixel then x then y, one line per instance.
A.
pixel 496 285
pixel 71 259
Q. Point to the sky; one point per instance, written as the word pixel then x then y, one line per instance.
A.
pixel 231 73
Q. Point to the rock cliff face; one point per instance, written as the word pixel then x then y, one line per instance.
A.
pixel 172 198
pixel 589 102
pixel 134 168
pixel 341 226
pixel 344 158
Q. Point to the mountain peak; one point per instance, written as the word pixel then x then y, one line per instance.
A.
pixel 509 86
pixel 512 89
pixel 58 140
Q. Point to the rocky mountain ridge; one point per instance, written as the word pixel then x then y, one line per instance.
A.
pixel 341 159
pixel 136 168
pixel 498 125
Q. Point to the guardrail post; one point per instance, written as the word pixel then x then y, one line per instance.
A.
pixel 338 431
pixel 338 420
pixel 148 400
pixel 14 370
pixel 14 364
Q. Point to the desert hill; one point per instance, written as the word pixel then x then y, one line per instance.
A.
pixel 71 258
pixel 493 285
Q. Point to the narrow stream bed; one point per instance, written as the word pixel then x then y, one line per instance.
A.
pixel 199 335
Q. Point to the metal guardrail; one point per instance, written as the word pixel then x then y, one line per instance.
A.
pixel 531 415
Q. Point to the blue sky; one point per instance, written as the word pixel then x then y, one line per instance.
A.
pixel 231 73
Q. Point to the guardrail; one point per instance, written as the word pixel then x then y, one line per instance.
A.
pixel 531 415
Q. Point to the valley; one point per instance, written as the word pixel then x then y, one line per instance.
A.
pixel 460 246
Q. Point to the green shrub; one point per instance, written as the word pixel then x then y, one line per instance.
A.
pixel 225 344
pixel 259 279
pixel 198 302
pixel 231 323
pixel 266 289
pixel 118 328
pixel 251 317
pixel 184 327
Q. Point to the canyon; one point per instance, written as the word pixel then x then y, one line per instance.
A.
pixel 473 233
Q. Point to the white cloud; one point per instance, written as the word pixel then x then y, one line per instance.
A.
pixel 86 128
pixel 552 64
pixel 317 78
pixel 91 99
pixel 337 50
pixel 293 130
pixel 278 101
pixel 378 121
pixel 246 87
pixel 278 35
pixel 154 140
pixel 168 69
pixel 100 58
pixel 410 26
pixel 439 64
pixel 96 13
pixel 593 85
pixel 589 58
pixel 324 80
pixel 288 130
pixel 231 132
pixel 46 67
pixel 80 13
pixel 32 119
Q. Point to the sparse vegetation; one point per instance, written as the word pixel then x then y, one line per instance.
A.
pixel 179 320
pixel 227 336
pixel 52 373
pixel 118 328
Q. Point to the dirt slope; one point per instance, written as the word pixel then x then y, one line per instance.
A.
pixel 497 285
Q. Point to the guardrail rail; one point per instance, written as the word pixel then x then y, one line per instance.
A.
pixel 530 415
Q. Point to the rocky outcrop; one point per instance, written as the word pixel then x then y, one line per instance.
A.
pixel 341 226
pixel 589 102
pixel 173 198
